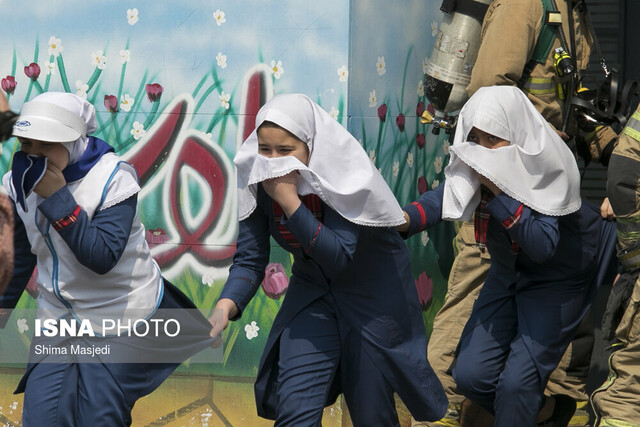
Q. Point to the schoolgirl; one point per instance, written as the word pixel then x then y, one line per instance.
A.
pixel 351 320
pixel 76 217
pixel 549 251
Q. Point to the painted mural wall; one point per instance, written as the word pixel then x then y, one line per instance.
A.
pixel 389 51
pixel 177 85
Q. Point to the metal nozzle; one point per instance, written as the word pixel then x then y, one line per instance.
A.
pixel 426 117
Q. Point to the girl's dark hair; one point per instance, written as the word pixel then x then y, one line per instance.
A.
pixel 271 125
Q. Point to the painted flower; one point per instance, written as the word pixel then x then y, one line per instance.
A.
pixel 155 237
pixel 252 330
pixel 434 28
pixel 396 168
pixel 334 113
pixel 218 15
pixel 205 417
pixel 343 73
pixel 372 156
pixel 125 56
pixel 276 69
pixel 420 88
pixel 420 140
pixel 410 159
pixel 209 276
pixel 400 122
pixel 445 148
pixel 420 109
pixel 275 282
pixel 138 130
pixel 373 101
pixel 222 60
pixel 55 46
pixel 9 84
pixel 381 67
pixel 49 68
pixel 424 286
pixel 22 326
pixel 382 112
pixel 132 16
pixel 32 71
pixel 224 100
pixel 126 102
pixel 99 60
pixel 422 185
pixel 425 65
pixel 430 109
pixel 424 238
pixel 437 163
pixel 154 91
pixel 111 102
pixel 82 89
pixel 435 184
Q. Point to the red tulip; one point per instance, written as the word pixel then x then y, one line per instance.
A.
pixel 382 112
pixel 32 71
pixel 111 102
pixel 419 108
pixel 400 122
pixel 154 92
pixel 420 140
pixel 275 281
pixel 431 109
pixel 424 285
pixel 9 84
pixel 423 187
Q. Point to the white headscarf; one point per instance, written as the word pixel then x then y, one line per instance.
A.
pixel 537 168
pixel 42 119
pixel 339 170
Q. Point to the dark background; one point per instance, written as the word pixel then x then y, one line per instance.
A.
pixel 616 24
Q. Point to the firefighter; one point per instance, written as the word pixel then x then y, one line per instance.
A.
pixel 615 403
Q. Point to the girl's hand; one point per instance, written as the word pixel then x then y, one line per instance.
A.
pixel 52 181
pixel 284 191
pixel 606 210
pixel 224 310
pixel 489 184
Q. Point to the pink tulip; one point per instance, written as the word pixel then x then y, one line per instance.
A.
pixel 32 71
pixel 424 285
pixel 382 112
pixel 154 92
pixel 419 108
pixel 156 237
pixel 420 140
pixel 9 84
pixel 111 102
pixel 275 281
pixel 400 122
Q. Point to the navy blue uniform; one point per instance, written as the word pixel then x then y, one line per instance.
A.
pixel 350 321
pixel 532 302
